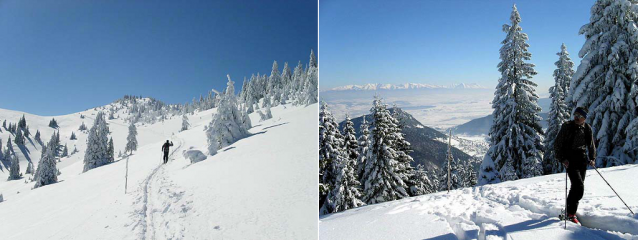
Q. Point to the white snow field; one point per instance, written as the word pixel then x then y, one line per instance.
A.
pixel 522 210
pixel 260 187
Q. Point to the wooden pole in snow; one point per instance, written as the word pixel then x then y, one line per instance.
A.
pixel 449 159
pixel 126 176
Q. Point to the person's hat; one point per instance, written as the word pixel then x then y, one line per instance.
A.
pixel 581 111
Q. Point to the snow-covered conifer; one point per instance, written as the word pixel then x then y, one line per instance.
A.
pixel 345 193
pixel 19 138
pixel 185 123
pixel 311 84
pixel 131 139
pixel 110 151
pixel 53 123
pixel 14 170
pixel 47 172
pixel 37 136
pixel 423 184
pixel 605 81
pixel 96 153
pixel 488 173
pixel 364 147
pixel 516 133
pixel 29 168
pixel 227 125
pixel 330 152
pixel 73 137
pixel 383 176
pixel 9 151
pixel 350 140
pixel 82 127
pixel 65 151
pixel 558 110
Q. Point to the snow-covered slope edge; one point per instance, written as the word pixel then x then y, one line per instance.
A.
pixel 523 209
pixel 256 188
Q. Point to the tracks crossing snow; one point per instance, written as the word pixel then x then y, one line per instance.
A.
pixel 148 201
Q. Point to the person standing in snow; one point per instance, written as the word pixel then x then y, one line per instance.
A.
pixel 575 148
pixel 165 149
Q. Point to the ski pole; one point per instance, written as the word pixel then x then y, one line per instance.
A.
pixel 623 201
pixel 565 216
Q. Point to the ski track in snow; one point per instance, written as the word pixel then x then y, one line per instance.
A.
pixel 148 208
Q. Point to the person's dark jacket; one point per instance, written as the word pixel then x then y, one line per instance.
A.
pixel 165 146
pixel 564 149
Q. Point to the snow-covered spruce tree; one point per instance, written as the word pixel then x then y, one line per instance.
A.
pixel 26 132
pixel 558 110
pixel 383 176
pixel 298 84
pixel 9 151
pixel 96 153
pixel 65 151
pixel 185 123
pixel 29 168
pixel 53 123
pixel 226 126
pixel 14 170
pixel 605 80
pixel 265 112
pixel 250 95
pixel 73 137
pixel 1 153
pixel 516 134
pixel 4 124
pixel 311 84
pixel 364 147
pixel 131 139
pixel 19 138
pixel 403 150
pixel 110 151
pixel 424 184
pixel 82 127
pixel 22 123
pixel 351 145
pixel 286 84
pixel 330 152
pixel 47 172
pixel 456 176
pixel 345 193
pixel 274 82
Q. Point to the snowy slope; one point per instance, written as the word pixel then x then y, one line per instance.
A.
pixel 523 209
pixel 256 188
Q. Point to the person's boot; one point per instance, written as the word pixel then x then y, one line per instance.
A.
pixel 572 218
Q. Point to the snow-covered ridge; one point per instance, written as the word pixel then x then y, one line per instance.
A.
pixel 404 86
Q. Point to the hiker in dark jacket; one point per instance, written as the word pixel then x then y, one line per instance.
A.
pixel 575 148
pixel 165 149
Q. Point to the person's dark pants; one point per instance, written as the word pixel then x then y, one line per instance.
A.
pixel 577 178
pixel 165 157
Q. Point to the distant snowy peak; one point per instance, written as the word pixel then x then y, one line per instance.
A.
pixel 380 86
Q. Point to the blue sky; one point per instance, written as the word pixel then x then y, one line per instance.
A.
pixel 63 56
pixel 440 42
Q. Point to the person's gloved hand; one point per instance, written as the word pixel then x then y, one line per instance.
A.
pixel 566 163
pixel 592 163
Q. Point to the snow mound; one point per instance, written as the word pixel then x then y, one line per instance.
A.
pixel 194 155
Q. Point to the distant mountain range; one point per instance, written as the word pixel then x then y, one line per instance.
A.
pixel 405 86
pixel 427 150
